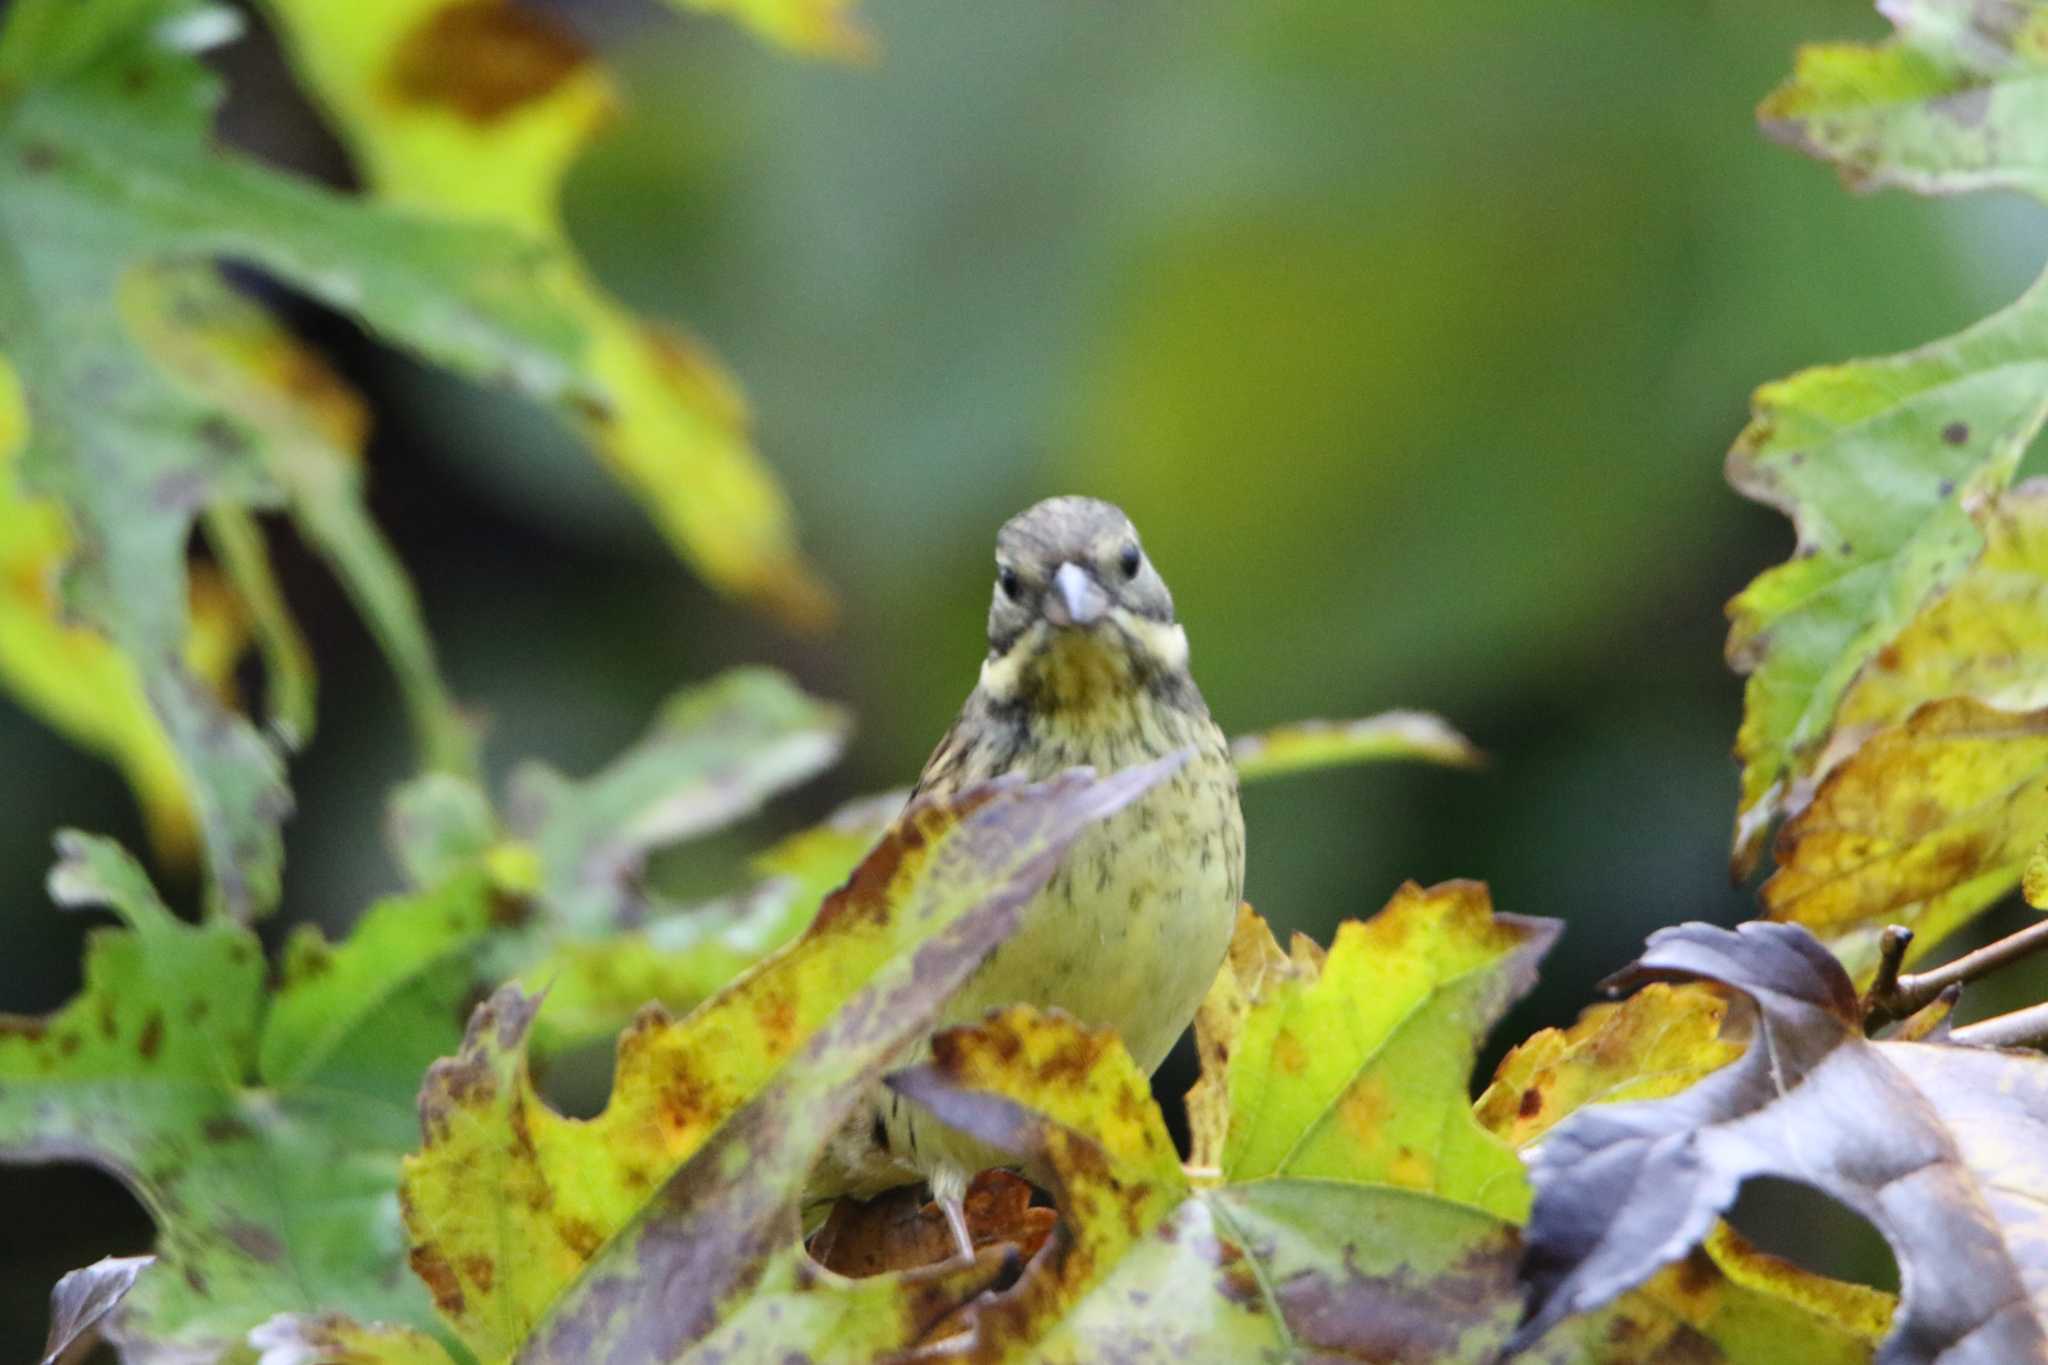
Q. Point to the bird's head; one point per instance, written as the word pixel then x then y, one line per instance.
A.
pixel 1079 612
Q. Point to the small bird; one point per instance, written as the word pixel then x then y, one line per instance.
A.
pixel 1086 665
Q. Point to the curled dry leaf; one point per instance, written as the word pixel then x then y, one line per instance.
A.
pixel 81 1299
pixel 1724 1300
pixel 1940 1147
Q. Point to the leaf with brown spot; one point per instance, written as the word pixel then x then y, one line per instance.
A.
pixel 472 111
pixel 265 1195
pixel 1925 825
pixel 332 1339
pixel 1853 453
pixel 108 168
pixel 1656 1042
pixel 310 429
pixel 1252 958
pixel 1950 103
pixel 1918 830
pixel 1146 1266
pixel 1985 637
pixel 73 678
pixel 1357 1068
pixel 714 1121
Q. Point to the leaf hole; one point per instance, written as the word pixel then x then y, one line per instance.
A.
pixel 1796 1221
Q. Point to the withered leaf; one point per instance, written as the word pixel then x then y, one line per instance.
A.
pixel 1944 1149
pixel 82 1298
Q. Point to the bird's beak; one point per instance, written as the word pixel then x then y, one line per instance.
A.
pixel 1076 598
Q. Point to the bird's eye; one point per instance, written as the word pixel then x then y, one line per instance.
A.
pixel 1132 559
pixel 1007 581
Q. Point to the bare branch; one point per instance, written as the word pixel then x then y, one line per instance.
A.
pixel 2021 1028
pixel 1893 996
pixel 1883 1005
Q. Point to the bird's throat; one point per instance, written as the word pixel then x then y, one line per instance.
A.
pixel 1076 673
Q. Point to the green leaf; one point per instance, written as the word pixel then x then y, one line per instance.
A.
pixel 73 678
pixel 310 428
pixel 472 111
pixel 1877 462
pixel 267 1198
pixel 1356 1067
pixel 683 955
pixel 735 1102
pixel 1311 744
pixel 390 997
pixel 313 1108
pixel 1146 1265
pixel 105 166
pixel 713 755
pixel 1957 100
pixel 1933 771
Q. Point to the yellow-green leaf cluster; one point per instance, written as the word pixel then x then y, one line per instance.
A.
pixel 472 111
pixel 547 1235
pixel 1894 660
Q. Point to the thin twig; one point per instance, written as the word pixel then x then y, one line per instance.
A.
pixel 1909 993
pixel 2021 1028
pixel 1882 1004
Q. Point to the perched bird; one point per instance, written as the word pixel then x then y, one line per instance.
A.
pixel 1086 665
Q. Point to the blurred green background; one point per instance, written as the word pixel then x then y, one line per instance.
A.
pixel 1411 337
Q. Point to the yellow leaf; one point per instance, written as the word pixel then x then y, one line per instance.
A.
pixel 1310 744
pixel 474 110
pixel 1924 826
pixel 816 28
pixel 1253 959
pixel 1655 1043
pixel 1355 1066
pixel 2034 881
pixel 1986 637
